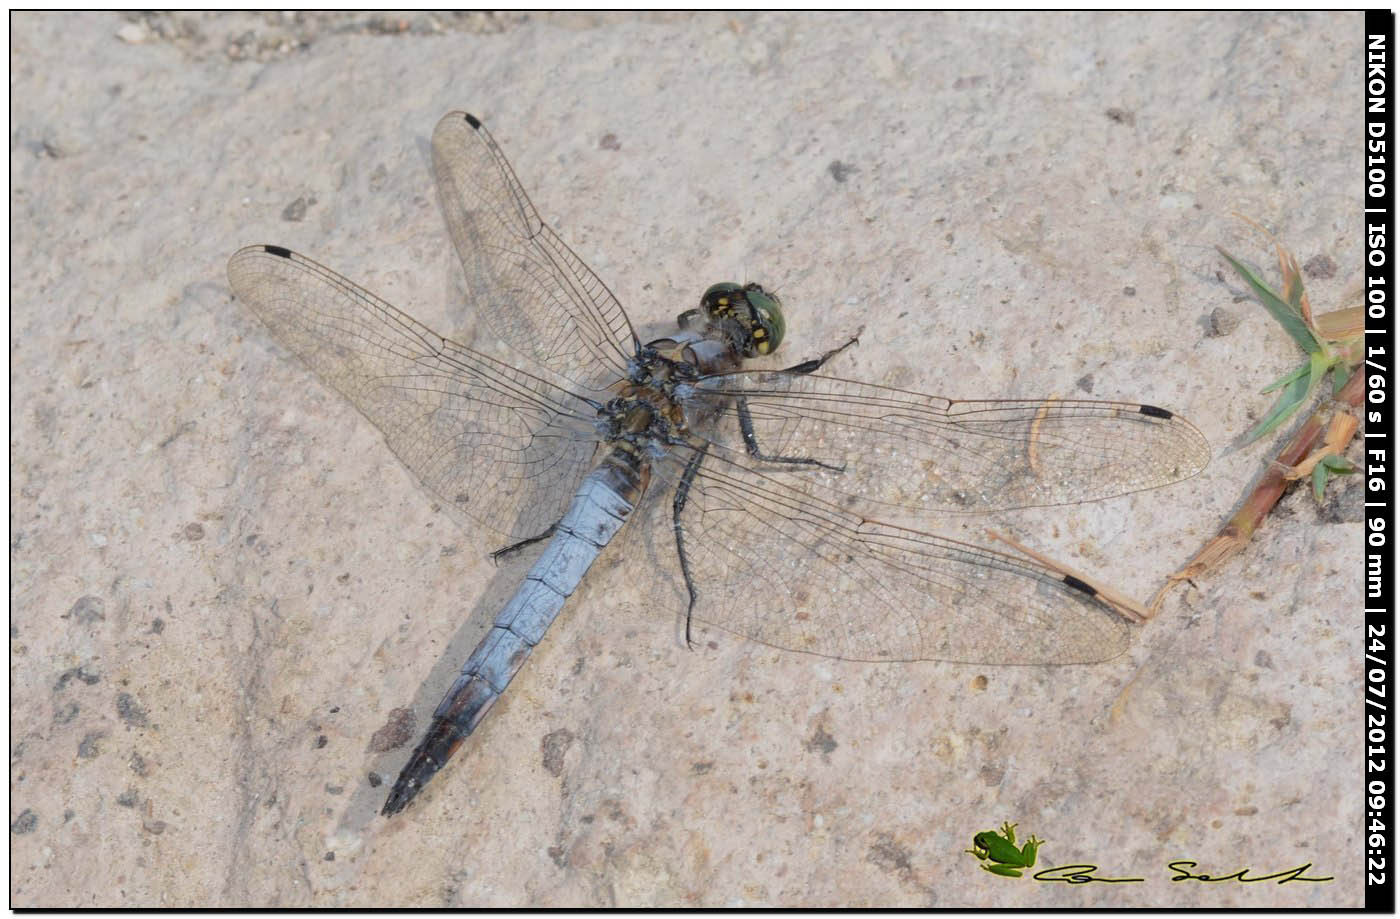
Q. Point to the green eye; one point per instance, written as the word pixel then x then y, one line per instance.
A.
pixel 718 290
pixel 769 314
pixel 758 313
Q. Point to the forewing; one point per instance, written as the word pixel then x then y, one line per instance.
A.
pixel 932 455
pixel 775 566
pixel 502 447
pixel 530 287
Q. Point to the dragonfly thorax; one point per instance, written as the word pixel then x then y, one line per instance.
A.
pixel 643 418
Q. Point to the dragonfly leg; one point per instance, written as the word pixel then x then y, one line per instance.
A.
pixel 812 365
pixel 751 439
pixel 746 419
pixel 677 507
pixel 502 552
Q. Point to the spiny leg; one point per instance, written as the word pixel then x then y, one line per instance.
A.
pixel 677 506
pixel 502 552
pixel 741 405
pixel 746 419
pixel 810 366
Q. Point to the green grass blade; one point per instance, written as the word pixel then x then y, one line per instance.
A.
pixel 1300 371
pixel 1329 465
pixel 1294 395
pixel 1284 313
pixel 1319 478
pixel 1319 362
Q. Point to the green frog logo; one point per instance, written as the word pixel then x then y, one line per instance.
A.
pixel 998 852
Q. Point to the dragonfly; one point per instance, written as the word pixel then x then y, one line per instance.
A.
pixel 793 505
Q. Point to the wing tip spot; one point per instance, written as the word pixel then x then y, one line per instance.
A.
pixel 472 120
pixel 1074 582
pixel 278 251
pixel 1152 411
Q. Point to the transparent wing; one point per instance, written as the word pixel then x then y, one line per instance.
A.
pixel 772 564
pixel 930 455
pixel 529 286
pixel 500 446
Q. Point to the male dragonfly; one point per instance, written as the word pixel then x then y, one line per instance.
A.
pixel 777 479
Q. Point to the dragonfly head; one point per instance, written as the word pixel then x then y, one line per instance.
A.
pixel 757 314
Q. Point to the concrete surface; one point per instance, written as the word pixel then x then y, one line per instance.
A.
pixel 223 585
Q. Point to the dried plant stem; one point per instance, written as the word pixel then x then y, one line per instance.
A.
pixel 1237 532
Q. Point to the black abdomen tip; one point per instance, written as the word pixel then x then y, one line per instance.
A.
pixel 278 250
pixel 399 798
pixel 1072 581
pixel 472 120
pixel 1153 411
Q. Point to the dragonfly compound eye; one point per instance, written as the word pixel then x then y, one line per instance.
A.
pixel 756 313
pixel 725 301
pixel 720 291
pixel 766 325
